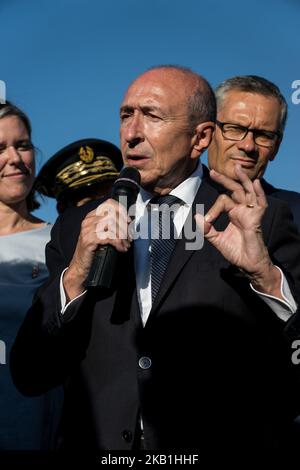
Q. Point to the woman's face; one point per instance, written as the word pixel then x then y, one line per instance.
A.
pixel 17 165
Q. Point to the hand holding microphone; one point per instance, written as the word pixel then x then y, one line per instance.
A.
pixel 95 257
pixel 125 191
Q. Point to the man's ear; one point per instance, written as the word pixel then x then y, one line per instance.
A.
pixel 202 137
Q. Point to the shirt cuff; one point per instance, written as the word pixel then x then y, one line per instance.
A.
pixel 283 308
pixel 63 299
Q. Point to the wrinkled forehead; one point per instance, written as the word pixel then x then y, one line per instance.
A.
pixel 245 105
pixel 158 89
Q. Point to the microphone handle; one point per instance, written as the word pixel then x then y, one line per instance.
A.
pixel 103 267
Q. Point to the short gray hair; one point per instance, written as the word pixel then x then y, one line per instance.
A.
pixel 253 84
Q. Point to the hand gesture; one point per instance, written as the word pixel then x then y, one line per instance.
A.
pixel 242 243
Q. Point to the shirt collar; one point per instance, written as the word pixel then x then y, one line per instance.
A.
pixel 186 190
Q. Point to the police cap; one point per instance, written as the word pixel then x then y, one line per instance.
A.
pixel 79 164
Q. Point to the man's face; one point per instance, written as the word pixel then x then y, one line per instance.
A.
pixel 155 134
pixel 249 110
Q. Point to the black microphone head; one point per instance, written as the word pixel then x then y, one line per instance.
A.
pixel 130 175
pixel 127 185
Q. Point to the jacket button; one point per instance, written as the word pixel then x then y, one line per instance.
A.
pixel 127 435
pixel 145 362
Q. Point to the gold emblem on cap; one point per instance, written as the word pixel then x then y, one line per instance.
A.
pixel 79 174
pixel 86 154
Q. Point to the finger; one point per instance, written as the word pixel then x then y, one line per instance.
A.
pixel 112 213
pixel 223 204
pixel 260 194
pixel 241 190
pixel 206 228
pixel 102 208
pixel 111 207
pixel 244 179
pixel 111 228
pixel 120 245
pixel 111 233
pixel 225 181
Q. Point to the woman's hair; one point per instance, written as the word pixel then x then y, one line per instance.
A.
pixel 8 109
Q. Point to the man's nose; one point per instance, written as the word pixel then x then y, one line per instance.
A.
pixel 134 130
pixel 248 142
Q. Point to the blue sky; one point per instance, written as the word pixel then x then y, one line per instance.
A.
pixel 67 63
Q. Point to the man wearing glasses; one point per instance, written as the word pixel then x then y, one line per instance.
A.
pixel 250 123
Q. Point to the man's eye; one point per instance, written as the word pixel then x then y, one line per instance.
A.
pixel 234 128
pixel 266 135
pixel 154 117
pixel 124 116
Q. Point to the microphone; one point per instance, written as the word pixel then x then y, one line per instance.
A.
pixel 125 191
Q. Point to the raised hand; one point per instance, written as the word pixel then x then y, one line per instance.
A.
pixel 241 243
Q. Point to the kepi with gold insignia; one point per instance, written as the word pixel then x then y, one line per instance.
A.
pixel 80 164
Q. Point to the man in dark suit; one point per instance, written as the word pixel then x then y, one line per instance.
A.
pixel 250 102
pixel 202 364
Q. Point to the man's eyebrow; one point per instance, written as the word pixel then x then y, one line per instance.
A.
pixel 126 108
pixel 150 108
pixel 257 129
pixel 144 108
pixel 234 123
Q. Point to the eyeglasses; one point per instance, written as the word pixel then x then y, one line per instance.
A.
pixel 236 132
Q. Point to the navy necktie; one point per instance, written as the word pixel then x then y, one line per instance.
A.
pixel 163 237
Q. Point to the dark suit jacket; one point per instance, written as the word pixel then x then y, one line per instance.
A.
pixel 220 376
pixel 292 198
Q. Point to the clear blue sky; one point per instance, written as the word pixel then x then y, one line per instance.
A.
pixel 67 63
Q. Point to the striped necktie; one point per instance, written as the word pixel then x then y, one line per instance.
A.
pixel 163 237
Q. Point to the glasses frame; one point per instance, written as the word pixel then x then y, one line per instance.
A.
pixel 254 131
